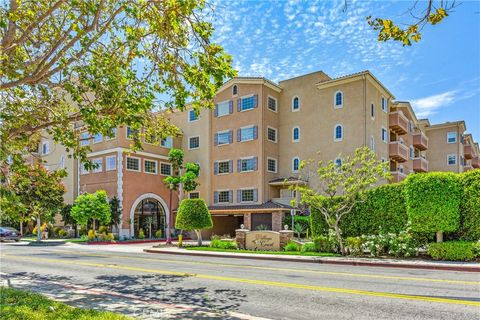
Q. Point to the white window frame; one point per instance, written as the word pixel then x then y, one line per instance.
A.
pixel 276 165
pixel 411 152
pixel 47 151
pixel 227 102
pixel 299 104
pixel 197 117
pixel 62 161
pixel 276 104
pixel 241 102
pixel 455 157
pixel 372 143
pixel 83 171
pixel 339 106
pixel 195 148
pixel 241 195
pixel 139 164
pixel 456 138
pixel 160 168
pixel 335 133
pixel 144 166
pixel 190 195
pixel 98 170
pixel 126 133
pixel 170 139
pixel 276 134
pixel 223 190
pixel 84 139
pixel 293 134
pixel 336 160
pixel 114 130
pixel 293 164
pixel 234 94
pixel 229 169
pixel 401 169
pixel 107 168
pixel 101 138
pixel 230 132
pixel 401 141
pixel 252 126
pixel 246 158
pixel 386 134
pixel 382 105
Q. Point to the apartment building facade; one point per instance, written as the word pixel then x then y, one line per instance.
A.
pixel 249 148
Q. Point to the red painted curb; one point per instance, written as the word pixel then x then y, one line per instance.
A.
pixel 127 242
pixel 324 261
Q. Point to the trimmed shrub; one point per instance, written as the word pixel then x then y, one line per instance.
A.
pixel 141 234
pixel 103 229
pixel 91 235
pixel 452 250
pixel 354 246
pixel 291 247
pixel 193 214
pixel 433 201
pixel 470 205
pixel 223 244
pixel 309 247
pixel 397 245
pixel 318 225
pixel 323 244
pixel 158 234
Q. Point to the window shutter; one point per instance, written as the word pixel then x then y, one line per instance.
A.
pixel 239 196
pixel 215 167
pixel 255 195
pixel 230 106
pixel 239 165
pixel 255 163
pixel 230 166
pixel 215 197
pixel 255 101
pixel 216 139
pixel 255 132
pixel 239 104
pixel 239 135
pixel 230 136
pixel 230 196
pixel 216 110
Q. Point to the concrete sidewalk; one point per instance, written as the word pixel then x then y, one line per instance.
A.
pixel 369 262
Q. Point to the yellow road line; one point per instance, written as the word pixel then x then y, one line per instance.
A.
pixel 261 282
pixel 347 274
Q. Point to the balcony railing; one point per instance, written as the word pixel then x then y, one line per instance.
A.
pixel 398 176
pixel 398 151
pixel 420 141
pixel 420 165
pixel 468 151
pixel 398 123
pixel 476 162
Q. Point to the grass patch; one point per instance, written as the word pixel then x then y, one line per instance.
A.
pixel 287 253
pixel 17 304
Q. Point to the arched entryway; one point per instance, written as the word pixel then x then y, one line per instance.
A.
pixel 150 213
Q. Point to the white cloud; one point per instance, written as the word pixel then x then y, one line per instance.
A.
pixel 427 106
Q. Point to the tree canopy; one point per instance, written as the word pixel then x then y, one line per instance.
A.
pixel 193 215
pixel 91 206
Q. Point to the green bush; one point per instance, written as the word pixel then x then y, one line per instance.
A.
pixel 158 234
pixel 223 244
pixel 309 247
pixel 452 250
pixel 397 245
pixel 470 205
pixel 141 234
pixel 193 214
pixel 291 247
pixel 354 246
pixel 304 221
pixel 433 201
pixel 324 244
pixel 103 229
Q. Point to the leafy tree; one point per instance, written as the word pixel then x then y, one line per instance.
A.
pixel 91 206
pixel 193 215
pixel 103 63
pixel 115 212
pixel 341 187
pixel 35 191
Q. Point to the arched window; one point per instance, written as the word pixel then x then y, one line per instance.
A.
pixel 401 141
pixel 338 162
pixel 338 132
pixel 295 104
pixel 338 99
pixel 235 90
pixel 295 164
pixel 400 169
pixel 296 134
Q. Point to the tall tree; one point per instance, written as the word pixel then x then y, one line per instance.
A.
pixel 102 63
pixel 91 206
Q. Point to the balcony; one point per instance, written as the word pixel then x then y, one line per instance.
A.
pixel 420 141
pixel 476 162
pixel 398 122
pixel 420 165
pixel 468 151
pixel 397 151
pixel 398 176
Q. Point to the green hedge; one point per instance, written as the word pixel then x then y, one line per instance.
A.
pixel 470 205
pixel 433 201
pixel 452 250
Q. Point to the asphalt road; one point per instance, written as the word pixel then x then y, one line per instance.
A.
pixel 153 286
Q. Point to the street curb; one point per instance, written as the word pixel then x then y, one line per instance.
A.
pixel 327 261
pixel 128 242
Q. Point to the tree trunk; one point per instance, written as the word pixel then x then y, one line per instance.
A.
pixel 38 229
pixel 199 237
pixel 439 236
pixel 93 224
pixel 340 240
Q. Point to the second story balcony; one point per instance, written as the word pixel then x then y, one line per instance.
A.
pixel 420 141
pixel 398 176
pixel 476 162
pixel 468 151
pixel 397 151
pixel 420 165
pixel 398 123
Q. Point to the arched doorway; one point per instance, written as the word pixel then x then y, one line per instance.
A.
pixel 150 215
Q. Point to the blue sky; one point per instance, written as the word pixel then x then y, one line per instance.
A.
pixel 440 76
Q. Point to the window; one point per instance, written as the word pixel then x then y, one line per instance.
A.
pixel 247 164
pixel 82 169
pixel 45 147
pixel 165 169
pixel 338 162
pixel 131 133
pixel 412 152
pixel 271 165
pixel 272 134
pixel 150 166
pixel 410 126
pixel 133 164
pixel 338 133
pixel 338 99
pixel 452 159
pixel 151 139
pixel 451 137
pixel 62 161
pixel 224 166
pixel 247 195
pixel 194 142
pixel 372 110
pixel 98 163
pixel 112 134
pixel 223 137
pixel 295 164
pixel 462 161
pixel 247 133
pixel 295 104
pixel 372 143
pixel 384 104
pixel 166 142
pixel 296 134
pixel 272 104
pixel 401 141
pixel 384 135
pixel 192 116
pixel 224 108
pixel 222 196
pixel 248 103
pixel 194 195
pixel 400 169
pixel 84 139
pixel 111 163
pixel 234 90
pixel 97 138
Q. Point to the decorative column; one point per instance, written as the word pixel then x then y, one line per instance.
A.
pixel 247 221
pixel 277 220
pixel 285 237
pixel 240 237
